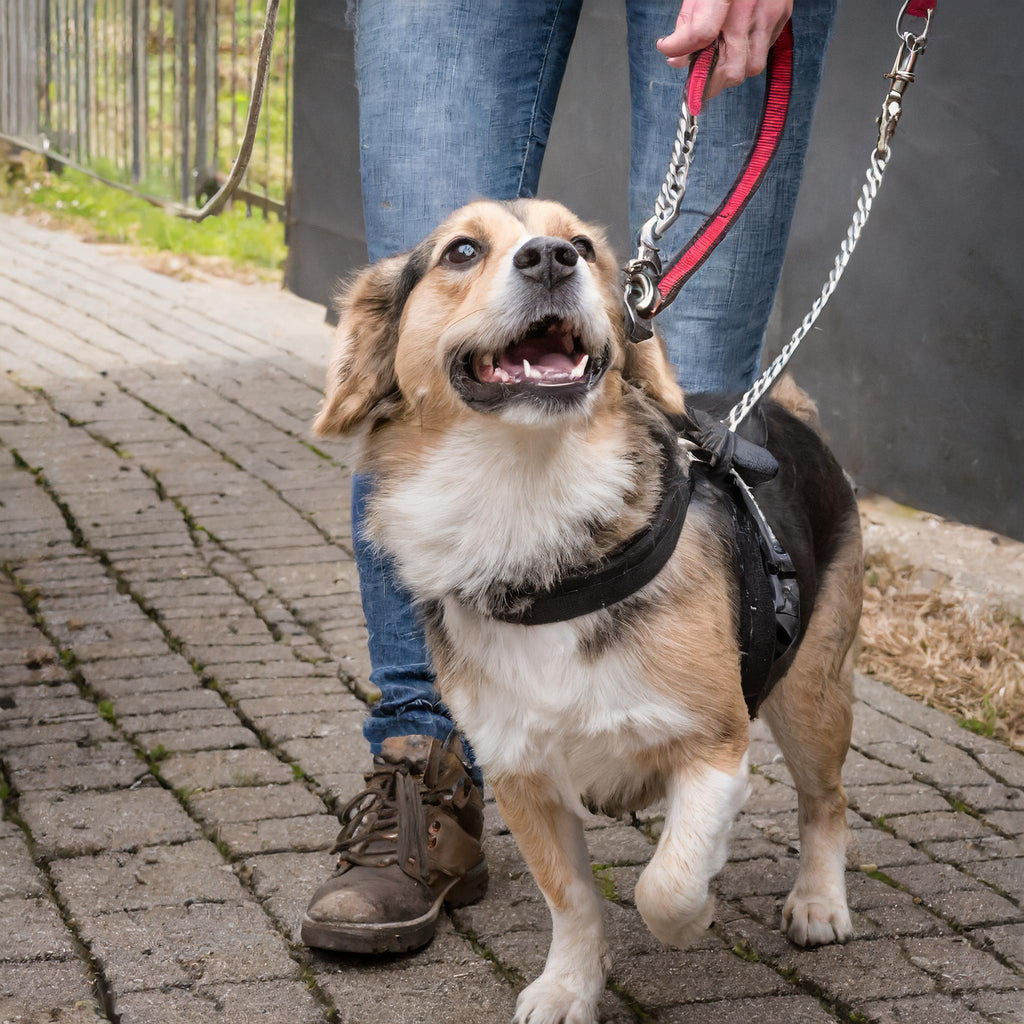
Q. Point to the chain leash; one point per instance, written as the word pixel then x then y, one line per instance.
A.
pixel 641 296
pixel 860 217
pixel 902 74
pixel 644 272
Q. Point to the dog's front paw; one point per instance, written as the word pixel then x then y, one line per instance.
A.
pixel 549 1001
pixel 816 920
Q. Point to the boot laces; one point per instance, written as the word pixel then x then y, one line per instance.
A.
pixel 382 824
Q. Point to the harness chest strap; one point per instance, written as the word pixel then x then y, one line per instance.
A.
pixel 768 602
pixel 624 571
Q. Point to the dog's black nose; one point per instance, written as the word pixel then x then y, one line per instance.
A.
pixel 547 260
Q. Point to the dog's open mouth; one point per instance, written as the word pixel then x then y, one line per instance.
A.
pixel 547 362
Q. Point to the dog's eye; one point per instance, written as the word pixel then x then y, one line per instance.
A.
pixel 462 251
pixel 585 247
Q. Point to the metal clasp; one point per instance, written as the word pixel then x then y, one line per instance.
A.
pixel 640 296
pixel 911 47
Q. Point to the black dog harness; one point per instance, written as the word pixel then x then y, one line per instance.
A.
pixel 768 619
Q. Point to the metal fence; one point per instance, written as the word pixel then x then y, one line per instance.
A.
pixel 149 92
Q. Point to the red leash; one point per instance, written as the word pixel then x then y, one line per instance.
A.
pixel 650 287
pixel 779 76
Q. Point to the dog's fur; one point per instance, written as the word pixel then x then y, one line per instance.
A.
pixel 484 487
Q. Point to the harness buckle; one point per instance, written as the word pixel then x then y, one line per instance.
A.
pixel 786 595
pixel 780 571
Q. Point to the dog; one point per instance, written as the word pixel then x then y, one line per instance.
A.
pixel 514 436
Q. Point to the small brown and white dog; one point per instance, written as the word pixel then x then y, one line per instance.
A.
pixel 512 430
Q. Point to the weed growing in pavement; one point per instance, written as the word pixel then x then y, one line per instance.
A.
pixel 604 876
pixel 746 952
pixel 157 754
pixel 987 724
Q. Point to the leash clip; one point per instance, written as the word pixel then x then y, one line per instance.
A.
pixel 911 47
pixel 640 295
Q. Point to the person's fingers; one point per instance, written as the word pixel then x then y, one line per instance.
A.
pixel 758 44
pixel 746 31
pixel 731 66
pixel 697 25
pixel 733 49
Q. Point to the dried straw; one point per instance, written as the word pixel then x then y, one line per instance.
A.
pixel 928 645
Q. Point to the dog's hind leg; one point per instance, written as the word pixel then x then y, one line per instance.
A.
pixel 550 837
pixel 810 716
pixel 673 894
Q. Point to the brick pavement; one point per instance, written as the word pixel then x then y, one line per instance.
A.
pixel 181 689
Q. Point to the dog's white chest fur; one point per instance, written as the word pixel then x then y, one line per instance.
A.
pixel 478 510
pixel 540 702
pixel 491 500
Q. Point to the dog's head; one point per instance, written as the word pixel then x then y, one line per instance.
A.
pixel 507 309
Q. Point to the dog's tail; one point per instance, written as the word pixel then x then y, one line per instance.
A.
pixel 796 400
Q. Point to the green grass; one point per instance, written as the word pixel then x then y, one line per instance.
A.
pixel 103 214
pixel 229 242
pixel 604 877
pixel 986 725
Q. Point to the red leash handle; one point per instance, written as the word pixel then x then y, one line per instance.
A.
pixel 920 8
pixel 700 76
pixel 779 87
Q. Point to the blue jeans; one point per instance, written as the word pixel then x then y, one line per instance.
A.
pixel 437 131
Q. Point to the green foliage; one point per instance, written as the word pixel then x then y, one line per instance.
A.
pixel 104 214
pixel 986 725
pixel 604 876
pixel 106 710
pixel 746 952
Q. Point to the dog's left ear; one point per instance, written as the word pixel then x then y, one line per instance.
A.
pixel 647 366
pixel 361 377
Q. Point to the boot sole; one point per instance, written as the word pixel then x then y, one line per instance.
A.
pixel 394 936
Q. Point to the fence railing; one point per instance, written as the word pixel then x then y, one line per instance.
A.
pixel 152 93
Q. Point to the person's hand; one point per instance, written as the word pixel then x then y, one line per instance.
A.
pixel 747 29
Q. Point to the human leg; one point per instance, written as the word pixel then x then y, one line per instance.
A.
pixel 715 328
pixel 436 132
pixel 455 103
pixel 456 100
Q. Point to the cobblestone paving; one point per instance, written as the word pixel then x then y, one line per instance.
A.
pixel 182 687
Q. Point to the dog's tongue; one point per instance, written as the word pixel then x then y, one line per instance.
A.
pixel 544 354
pixel 538 354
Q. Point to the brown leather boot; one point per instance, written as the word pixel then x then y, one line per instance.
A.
pixel 409 842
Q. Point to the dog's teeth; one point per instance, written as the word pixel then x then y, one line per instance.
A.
pixel 580 367
pixel 529 371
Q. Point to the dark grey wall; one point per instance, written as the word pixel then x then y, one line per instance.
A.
pixel 920 367
pixel 325 227
pixel 918 364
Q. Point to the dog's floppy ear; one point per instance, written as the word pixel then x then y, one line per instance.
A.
pixel 361 377
pixel 647 367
